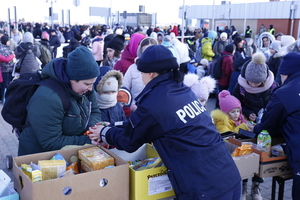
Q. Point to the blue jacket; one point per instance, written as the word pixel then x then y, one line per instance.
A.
pixel 170 115
pixel 282 117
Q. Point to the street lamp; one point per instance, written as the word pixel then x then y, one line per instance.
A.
pixel 51 12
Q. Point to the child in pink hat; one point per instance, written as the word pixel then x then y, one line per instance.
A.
pixel 229 117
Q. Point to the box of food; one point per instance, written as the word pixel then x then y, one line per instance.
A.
pixel 268 166
pixel 147 184
pixel 89 185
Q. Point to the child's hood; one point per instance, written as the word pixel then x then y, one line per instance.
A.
pixel 219 116
pixel 117 74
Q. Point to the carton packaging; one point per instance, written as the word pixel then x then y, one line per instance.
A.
pixel 248 164
pixel 111 183
pixel 268 166
pixel 147 184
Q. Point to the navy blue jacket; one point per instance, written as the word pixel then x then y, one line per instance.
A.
pixel 170 115
pixel 282 116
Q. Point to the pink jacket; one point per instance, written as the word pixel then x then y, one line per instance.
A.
pixel 129 53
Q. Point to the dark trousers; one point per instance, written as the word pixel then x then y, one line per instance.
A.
pixel 296 187
pixel 234 194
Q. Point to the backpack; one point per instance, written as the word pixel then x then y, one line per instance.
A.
pixel 45 55
pixel 216 67
pixel 66 50
pixel 19 92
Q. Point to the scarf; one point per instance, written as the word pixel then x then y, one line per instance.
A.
pixel 267 84
pixel 106 100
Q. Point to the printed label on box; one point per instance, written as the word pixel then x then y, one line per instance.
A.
pixel 159 184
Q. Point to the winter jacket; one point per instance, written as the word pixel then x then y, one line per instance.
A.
pixel 219 47
pixel 253 99
pixel 207 51
pixel 224 123
pixel 68 34
pixel 198 163
pixel 29 63
pixel 227 69
pixel 129 53
pixel 274 62
pixel 282 117
pixel 133 81
pixel 97 48
pixel 239 59
pixel 6 66
pixel 50 128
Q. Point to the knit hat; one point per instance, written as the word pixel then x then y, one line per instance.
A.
pixel 110 85
pixel 212 35
pixel 276 45
pixel 157 58
pixel 28 37
pixel 81 64
pixel 223 34
pixel 117 43
pixel 204 62
pixel 289 64
pixel 228 102
pixel 257 69
pixel 4 39
pixel 229 48
pixel 201 88
pixel 45 35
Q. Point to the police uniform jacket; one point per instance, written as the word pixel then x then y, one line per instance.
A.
pixel 170 115
pixel 282 117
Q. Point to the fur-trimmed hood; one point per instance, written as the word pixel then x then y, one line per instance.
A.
pixel 110 73
pixel 220 117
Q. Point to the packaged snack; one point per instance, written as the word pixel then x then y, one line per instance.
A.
pixel 148 164
pixel 58 156
pixel 95 158
pixel 277 150
pixel 34 175
pixel 74 167
pixel 242 150
pixel 52 168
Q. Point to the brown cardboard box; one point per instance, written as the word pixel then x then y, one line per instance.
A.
pixel 248 164
pixel 268 166
pixel 111 183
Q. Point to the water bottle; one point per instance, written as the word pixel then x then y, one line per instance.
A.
pixel 264 140
pixel 259 115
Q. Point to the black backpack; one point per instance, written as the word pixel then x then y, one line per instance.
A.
pixel 216 67
pixel 19 92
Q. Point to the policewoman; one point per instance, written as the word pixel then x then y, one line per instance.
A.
pixel 170 115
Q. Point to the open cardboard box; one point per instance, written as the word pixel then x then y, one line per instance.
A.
pixel 111 183
pixel 268 166
pixel 147 184
pixel 248 164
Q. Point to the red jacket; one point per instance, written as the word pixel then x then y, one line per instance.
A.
pixel 227 69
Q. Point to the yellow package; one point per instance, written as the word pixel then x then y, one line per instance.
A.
pixel 33 175
pixel 95 158
pixel 242 150
pixel 52 168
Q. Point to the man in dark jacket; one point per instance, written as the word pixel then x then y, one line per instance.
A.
pixel 54 43
pixel 198 161
pixel 282 115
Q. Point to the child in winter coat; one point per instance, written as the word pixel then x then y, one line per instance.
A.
pixel 230 117
pixel 107 90
pixel 201 88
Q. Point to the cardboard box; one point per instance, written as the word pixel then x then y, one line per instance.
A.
pixel 111 183
pixel 148 184
pixel 268 166
pixel 248 164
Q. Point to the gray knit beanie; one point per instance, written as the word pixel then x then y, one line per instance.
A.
pixel 81 65
pixel 257 70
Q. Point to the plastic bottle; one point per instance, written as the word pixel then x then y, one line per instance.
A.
pixel 259 115
pixel 264 140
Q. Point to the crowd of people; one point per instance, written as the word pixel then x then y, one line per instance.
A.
pixel 130 86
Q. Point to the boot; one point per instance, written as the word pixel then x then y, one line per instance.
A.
pixel 244 191
pixel 255 191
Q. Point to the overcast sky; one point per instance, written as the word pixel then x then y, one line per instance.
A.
pixel 37 10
